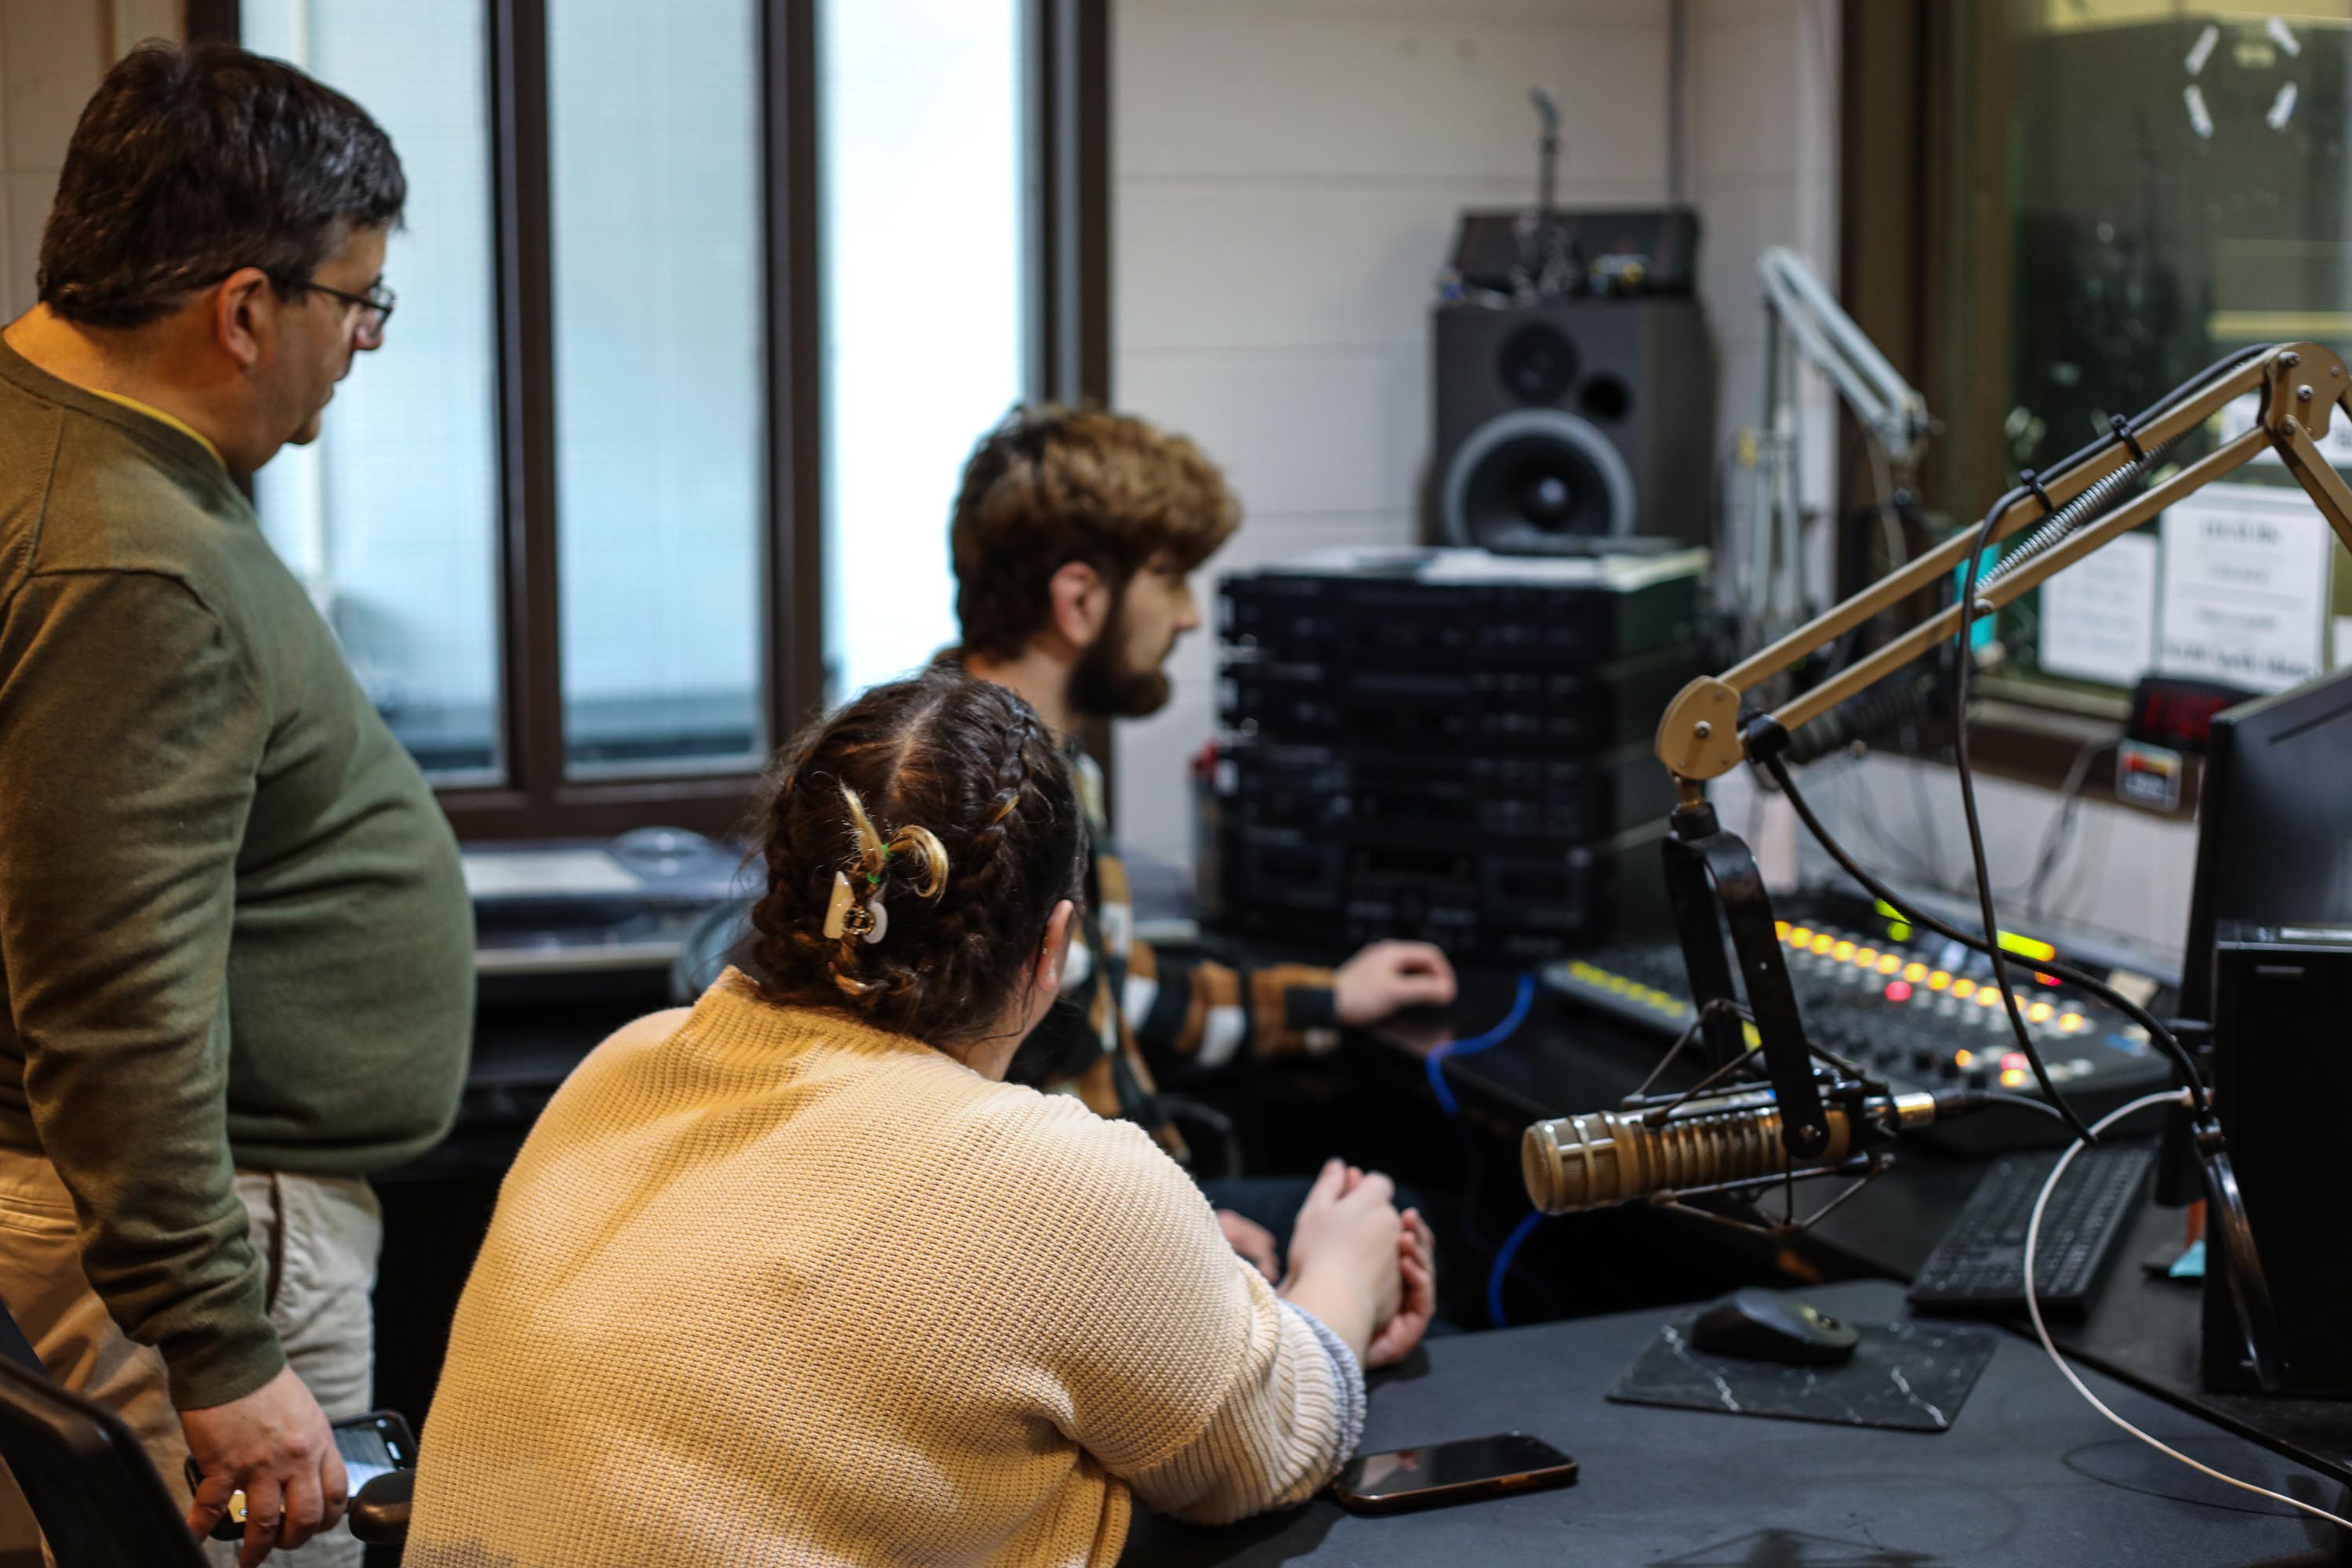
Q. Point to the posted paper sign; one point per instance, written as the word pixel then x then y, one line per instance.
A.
pixel 2246 586
pixel 2098 617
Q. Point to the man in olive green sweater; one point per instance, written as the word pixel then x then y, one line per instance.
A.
pixel 235 942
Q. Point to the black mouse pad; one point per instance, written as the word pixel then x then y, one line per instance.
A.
pixel 1910 1377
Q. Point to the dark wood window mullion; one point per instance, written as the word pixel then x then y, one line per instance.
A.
pixel 213 21
pixel 534 648
pixel 1069 110
pixel 793 537
pixel 530 718
pixel 1069 234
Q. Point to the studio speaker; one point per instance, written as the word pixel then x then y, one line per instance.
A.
pixel 1570 425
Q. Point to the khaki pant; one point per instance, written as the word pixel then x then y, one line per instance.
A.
pixel 317 1236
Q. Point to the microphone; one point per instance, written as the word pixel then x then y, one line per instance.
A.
pixel 1574 1163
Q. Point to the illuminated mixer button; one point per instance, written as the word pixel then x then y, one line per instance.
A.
pixel 2039 1012
pixel 1899 991
pixel 1939 981
pixel 1964 988
pixel 1889 963
pixel 1841 950
pixel 1822 942
pixel 2071 1022
pixel 1781 929
pixel 2014 1078
pixel 1914 972
pixel 1798 935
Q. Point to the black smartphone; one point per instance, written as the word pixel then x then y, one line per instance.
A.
pixel 370 1444
pixel 373 1444
pixel 1451 1472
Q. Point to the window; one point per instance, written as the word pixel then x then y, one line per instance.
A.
pixel 925 338
pixel 2117 194
pixel 702 306
pixel 401 554
pixel 653 142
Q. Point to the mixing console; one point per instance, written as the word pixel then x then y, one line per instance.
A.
pixel 1912 1008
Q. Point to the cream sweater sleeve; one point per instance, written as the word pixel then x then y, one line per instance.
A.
pixel 1305 1383
pixel 1186 1376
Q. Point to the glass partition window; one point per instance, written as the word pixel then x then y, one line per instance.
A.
pixel 922 141
pixel 390 517
pixel 2175 194
pixel 655 143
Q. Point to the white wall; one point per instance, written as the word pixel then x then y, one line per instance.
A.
pixel 1762 112
pixel 1287 178
pixel 52 53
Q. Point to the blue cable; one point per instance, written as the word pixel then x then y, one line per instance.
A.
pixel 1503 1265
pixel 1435 1062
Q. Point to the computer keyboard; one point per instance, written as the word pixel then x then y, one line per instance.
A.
pixel 1980 1266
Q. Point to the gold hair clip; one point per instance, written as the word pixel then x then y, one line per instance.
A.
pixel 844 916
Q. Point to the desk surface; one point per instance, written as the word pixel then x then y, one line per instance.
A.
pixel 1563 1059
pixel 2028 1474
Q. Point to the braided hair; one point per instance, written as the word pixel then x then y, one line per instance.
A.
pixel 945 798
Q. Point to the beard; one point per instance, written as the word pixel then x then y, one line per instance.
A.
pixel 1104 685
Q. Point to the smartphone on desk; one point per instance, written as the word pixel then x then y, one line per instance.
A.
pixel 1441 1473
pixel 370 1446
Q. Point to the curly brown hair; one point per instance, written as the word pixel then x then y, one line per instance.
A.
pixel 950 794
pixel 1051 485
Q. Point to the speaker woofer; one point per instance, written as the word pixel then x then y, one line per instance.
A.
pixel 1536 482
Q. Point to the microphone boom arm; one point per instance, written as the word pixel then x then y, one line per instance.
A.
pixel 1702 735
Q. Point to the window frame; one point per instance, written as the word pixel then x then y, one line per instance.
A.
pixel 1925 267
pixel 1066 67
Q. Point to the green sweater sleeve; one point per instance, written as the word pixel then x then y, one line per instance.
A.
pixel 132 734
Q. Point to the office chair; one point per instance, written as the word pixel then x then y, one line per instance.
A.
pixel 96 1495
pixel 91 1485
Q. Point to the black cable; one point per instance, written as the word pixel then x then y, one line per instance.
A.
pixel 1988 1099
pixel 2009 1003
pixel 1969 603
pixel 2225 366
pixel 2056 836
pixel 2050 966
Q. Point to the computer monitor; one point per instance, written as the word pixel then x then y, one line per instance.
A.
pixel 2274 867
pixel 2275 830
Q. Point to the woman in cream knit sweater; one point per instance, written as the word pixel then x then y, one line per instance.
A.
pixel 793 1276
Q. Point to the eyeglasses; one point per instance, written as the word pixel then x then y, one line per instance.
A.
pixel 375 308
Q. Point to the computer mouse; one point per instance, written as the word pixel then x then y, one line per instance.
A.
pixel 1763 1325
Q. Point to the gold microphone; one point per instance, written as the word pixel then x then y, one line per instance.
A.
pixel 1573 1163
